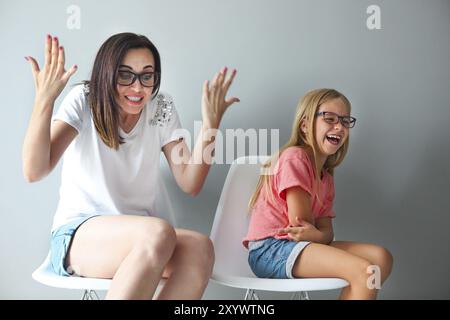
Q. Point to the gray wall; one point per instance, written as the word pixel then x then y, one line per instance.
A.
pixel 393 187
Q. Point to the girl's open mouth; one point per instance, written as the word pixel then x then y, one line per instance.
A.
pixel 334 139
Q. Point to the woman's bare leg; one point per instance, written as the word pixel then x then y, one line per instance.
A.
pixel 324 261
pixel 131 250
pixel 189 268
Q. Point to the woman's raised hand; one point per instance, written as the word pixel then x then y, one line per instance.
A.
pixel 52 79
pixel 214 104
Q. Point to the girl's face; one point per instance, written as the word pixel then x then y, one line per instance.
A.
pixel 132 98
pixel 330 136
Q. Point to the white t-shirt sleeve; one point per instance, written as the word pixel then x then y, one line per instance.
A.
pixel 172 130
pixel 72 108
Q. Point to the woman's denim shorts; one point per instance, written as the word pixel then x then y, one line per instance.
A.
pixel 274 258
pixel 60 244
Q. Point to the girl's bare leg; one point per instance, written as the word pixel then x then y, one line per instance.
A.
pixel 324 261
pixel 376 255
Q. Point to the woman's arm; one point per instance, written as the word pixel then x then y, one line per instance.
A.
pixel 190 170
pixel 42 148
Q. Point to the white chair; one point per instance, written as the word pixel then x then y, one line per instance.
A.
pixel 44 274
pixel 230 227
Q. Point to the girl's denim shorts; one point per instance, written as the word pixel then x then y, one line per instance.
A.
pixel 274 258
pixel 60 243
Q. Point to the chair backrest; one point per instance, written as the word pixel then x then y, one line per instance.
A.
pixel 232 218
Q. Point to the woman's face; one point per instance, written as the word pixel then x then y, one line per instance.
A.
pixel 132 98
pixel 331 136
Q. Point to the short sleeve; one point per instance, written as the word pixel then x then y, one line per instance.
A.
pixel 294 172
pixel 328 210
pixel 167 119
pixel 72 108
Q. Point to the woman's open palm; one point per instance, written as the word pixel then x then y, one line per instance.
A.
pixel 51 80
pixel 214 104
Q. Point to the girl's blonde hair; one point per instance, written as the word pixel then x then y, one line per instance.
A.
pixel 306 111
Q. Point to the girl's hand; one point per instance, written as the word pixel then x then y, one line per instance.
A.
pixel 51 80
pixel 305 231
pixel 214 104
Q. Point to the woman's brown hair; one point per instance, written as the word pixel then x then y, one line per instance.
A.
pixel 103 83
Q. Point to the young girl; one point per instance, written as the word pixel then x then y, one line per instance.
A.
pixel 291 233
pixel 111 131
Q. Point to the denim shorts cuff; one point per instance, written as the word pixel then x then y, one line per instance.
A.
pixel 293 257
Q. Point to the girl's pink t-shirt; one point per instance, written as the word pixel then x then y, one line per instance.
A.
pixel 293 169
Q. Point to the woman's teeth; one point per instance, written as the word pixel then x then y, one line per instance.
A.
pixel 134 99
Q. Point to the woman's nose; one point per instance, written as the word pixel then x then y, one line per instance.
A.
pixel 137 86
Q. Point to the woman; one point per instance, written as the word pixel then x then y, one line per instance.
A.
pixel 111 130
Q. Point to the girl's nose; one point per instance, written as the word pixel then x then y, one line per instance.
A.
pixel 338 125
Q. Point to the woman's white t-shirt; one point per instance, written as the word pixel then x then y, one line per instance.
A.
pixel 96 179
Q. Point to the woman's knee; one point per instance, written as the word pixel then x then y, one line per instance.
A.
pixel 156 239
pixel 201 254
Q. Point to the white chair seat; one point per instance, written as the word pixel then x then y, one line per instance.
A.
pixel 45 275
pixel 281 285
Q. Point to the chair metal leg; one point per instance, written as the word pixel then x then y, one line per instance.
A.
pixel 304 295
pixel 300 295
pixel 90 295
pixel 251 295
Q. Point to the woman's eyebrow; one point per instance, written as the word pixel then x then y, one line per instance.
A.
pixel 125 66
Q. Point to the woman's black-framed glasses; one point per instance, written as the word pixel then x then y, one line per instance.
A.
pixel 333 118
pixel 147 79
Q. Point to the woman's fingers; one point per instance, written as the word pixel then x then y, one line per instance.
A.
pixel 69 73
pixel 206 89
pixel 55 53
pixel 214 82
pixel 34 66
pixel 61 60
pixel 48 52
pixel 222 75
pixel 230 101
pixel 229 81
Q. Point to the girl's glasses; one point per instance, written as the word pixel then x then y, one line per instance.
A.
pixel 333 118
pixel 147 79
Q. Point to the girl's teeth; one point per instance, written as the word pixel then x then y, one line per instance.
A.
pixel 333 139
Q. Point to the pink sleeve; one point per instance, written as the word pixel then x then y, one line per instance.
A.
pixel 293 172
pixel 328 210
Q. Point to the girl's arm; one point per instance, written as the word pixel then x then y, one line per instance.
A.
pixel 190 170
pixel 325 226
pixel 299 206
pixel 301 221
pixel 43 147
